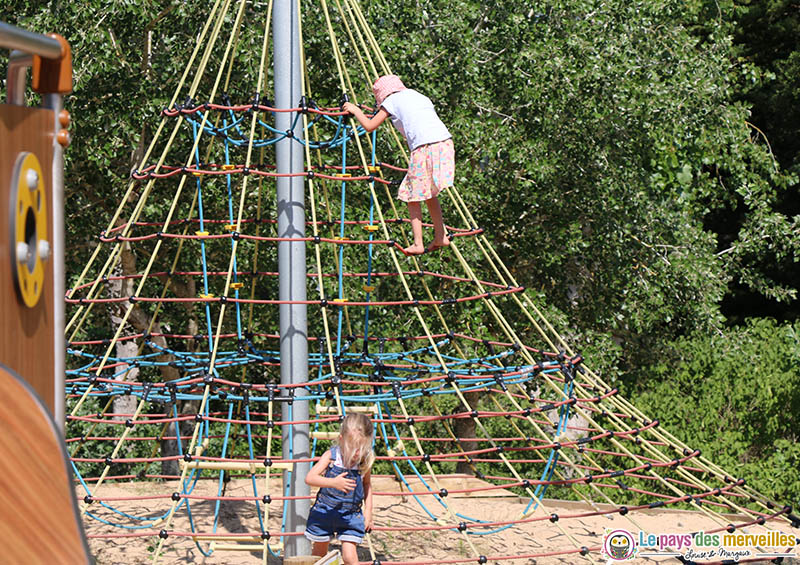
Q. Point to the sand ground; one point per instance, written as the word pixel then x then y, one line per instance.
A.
pixel 391 511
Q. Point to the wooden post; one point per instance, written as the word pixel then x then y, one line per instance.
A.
pixel 31 204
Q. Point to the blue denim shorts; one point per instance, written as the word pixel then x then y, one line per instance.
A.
pixel 324 521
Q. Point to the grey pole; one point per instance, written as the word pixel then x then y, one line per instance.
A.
pixel 291 263
pixel 55 102
pixel 12 37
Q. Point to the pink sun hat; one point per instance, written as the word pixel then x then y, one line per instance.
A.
pixel 386 85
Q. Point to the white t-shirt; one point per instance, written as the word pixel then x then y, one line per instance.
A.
pixel 336 453
pixel 413 115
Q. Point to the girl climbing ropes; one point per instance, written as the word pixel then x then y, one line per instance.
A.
pixel 343 477
pixel 432 166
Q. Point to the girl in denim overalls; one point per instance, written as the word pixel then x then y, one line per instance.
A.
pixel 343 477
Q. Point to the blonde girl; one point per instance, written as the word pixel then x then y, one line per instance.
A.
pixel 344 501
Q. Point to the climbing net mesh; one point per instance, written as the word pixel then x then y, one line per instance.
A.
pixel 182 393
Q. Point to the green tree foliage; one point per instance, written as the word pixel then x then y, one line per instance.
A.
pixel 596 138
pixel 765 37
pixel 736 396
pixel 122 52
pixel 606 146
pixel 767 34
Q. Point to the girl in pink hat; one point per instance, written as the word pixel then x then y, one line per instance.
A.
pixel 432 165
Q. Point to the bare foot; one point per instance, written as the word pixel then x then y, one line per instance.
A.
pixel 439 243
pixel 414 250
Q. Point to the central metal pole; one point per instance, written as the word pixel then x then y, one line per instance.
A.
pixel 291 267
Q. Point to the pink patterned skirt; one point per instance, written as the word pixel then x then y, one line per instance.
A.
pixel 431 169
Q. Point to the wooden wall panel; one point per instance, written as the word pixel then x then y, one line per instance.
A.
pixel 26 343
pixel 39 520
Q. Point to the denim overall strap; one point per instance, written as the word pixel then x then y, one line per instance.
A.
pixel 336 498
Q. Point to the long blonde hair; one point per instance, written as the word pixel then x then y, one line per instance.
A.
pixel 355 442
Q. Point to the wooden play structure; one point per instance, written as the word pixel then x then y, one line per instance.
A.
pixel 39 522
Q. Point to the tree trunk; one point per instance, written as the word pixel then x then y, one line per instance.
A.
pixel 465 430
pixel 124 349
pixel 139 321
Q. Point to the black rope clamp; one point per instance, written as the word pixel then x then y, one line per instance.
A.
pixel 345 98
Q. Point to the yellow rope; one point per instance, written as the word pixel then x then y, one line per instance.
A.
pixel 140 207
pixel 362 41
pixel 116 250
pixel 507 328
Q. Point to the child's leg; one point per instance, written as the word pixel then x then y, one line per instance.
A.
pixel 415 213
pixel 349 553
pixel 440 238
pixel 320 548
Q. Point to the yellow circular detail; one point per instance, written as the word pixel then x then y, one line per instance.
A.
pixel 28 227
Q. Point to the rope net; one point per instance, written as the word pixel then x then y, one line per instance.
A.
pixel 173 346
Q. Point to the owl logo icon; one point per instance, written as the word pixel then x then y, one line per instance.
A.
pixel 619 545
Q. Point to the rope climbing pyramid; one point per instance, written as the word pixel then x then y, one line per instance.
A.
pixel 494 442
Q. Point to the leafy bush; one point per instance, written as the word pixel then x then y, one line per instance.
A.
pixel 736 396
